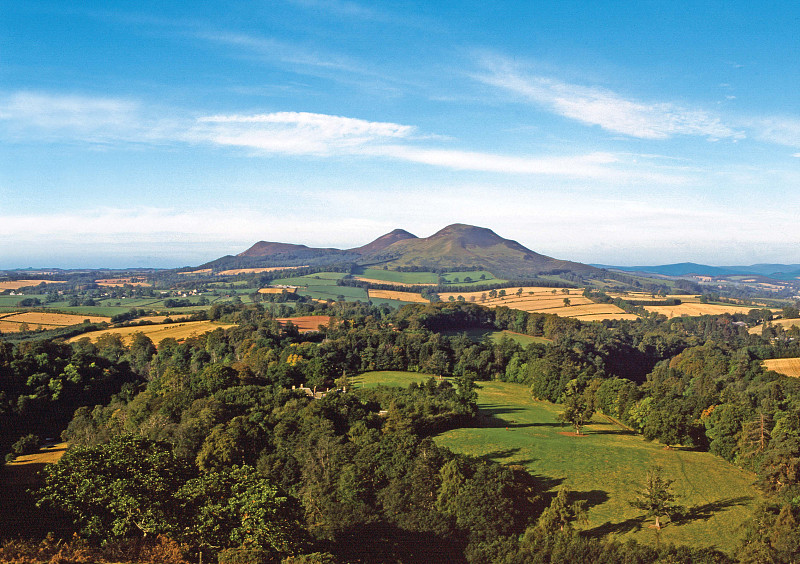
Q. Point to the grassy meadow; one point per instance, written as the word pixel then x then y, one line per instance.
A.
pixel 605 466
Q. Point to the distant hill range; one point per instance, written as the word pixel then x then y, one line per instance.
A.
pixel 455 247
pixel 773 271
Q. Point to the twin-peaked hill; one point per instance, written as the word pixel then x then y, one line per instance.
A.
pixel 454 247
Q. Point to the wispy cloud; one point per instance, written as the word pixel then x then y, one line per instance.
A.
pixel 779 130
pixel 52 118
pixel 296 132
pixel 602 107
pixel 81 117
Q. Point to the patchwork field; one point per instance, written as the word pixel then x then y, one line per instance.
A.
pixel 409 297
pixel 178 331
pixel 201 271
pixel 17 284
pixel 604 467
pixel 785 366
pixel 537 299
pixel 307 323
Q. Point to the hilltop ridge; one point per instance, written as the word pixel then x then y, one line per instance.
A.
pixel 455 246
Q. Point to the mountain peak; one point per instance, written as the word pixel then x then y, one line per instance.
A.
pixel 384 241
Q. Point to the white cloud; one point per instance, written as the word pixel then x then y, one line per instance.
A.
pixel 779 130
pixel 83 117
pixel 604 108
pixel 295 132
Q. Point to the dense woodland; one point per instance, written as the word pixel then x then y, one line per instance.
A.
pixel 205 443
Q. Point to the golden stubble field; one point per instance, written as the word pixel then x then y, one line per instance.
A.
pixel 178 331
pixel 537 299
pixel 401 296
pixel 17 284
pixel 12 322
pixel 690 305
pixel 785 366
pixel 291 290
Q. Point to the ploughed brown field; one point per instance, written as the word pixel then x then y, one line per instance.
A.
pixel 307 323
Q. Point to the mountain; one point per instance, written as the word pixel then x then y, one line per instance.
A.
pixel 384 241
pixel 461 245
pixel 454 247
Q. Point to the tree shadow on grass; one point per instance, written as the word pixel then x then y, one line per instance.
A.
pixel 627 526
pixel 489 416
pixel 592 497
pixel 707 510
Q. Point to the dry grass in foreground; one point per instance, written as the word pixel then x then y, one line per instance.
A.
pixel 785 366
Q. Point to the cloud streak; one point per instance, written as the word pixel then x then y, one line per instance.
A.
pixel 604 108
pixel 52 118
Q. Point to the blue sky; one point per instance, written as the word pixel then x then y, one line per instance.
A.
pixel 171 133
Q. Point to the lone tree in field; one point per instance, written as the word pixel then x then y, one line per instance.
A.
pixel 578 405
pixel 656 498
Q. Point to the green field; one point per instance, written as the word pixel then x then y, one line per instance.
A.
pixel 389 378
pixel 605 466
pixel 401 277
pixel 475 277
pixel 322 286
